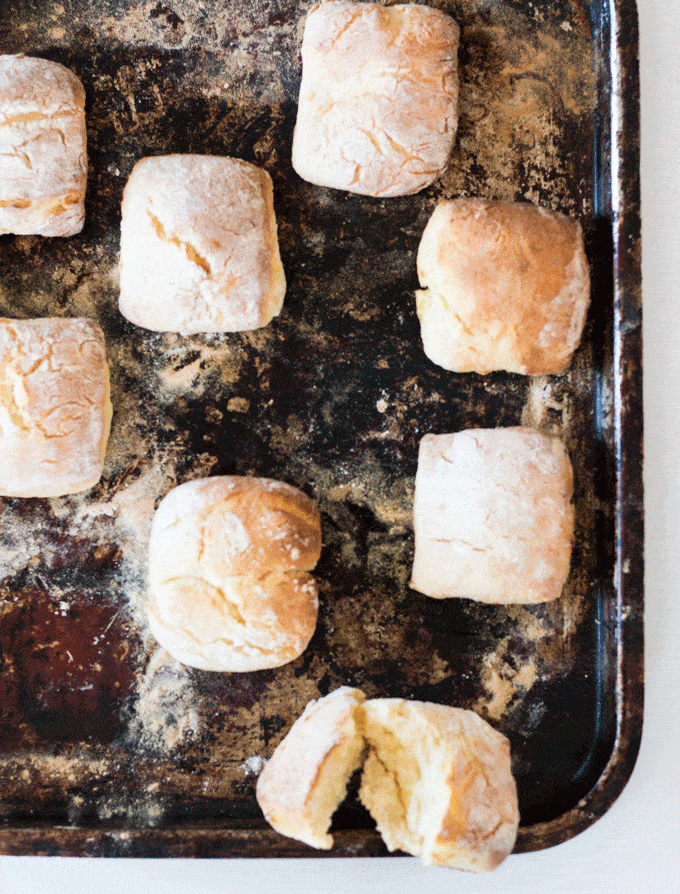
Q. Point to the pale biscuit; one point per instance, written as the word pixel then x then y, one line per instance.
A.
pixel 505 286
pixel 306 778
pixel 199 248
pixel 493 516
pixel 377 112
pixel 55 410
pixel 229 588
pixel 43 148
pixel 438 782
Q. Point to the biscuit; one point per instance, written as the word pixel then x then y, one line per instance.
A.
pixel 438 783
pixel 377 113
pixel 493 516
pixel 229 588
pixel 505 286
pixel 306 778
pixel 55 411
pixel 43 148
pixel 199 248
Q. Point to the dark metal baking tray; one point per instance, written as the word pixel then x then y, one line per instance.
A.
pixel 108 747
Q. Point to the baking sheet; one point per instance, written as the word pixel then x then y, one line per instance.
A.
pixel 108 746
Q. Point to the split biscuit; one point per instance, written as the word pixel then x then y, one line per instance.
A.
pixel 43 148
pixel 505 286
pixel 377 113
pixel 493 516
pixel 55 411
pixel 229 582
pixel 199 248
pixel 436 779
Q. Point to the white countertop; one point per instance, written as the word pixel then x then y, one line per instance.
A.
pixel 635 847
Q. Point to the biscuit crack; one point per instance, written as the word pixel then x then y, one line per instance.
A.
pixel 50 207
pixel 29 117
pixel 15 203
pixel 353 17
pixel 8 402
pixel 229 606
pixel 194 256
pixel 401 150
pixel 17 153
pixel 477 549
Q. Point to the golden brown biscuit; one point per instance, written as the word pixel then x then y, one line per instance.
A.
pixel 199 248
pixel 55 411
pixel 306 778
pixel 43 148
pixel 505 286
pixel 377 113
pixel 229 588
pixel 438 782
pixel 493 516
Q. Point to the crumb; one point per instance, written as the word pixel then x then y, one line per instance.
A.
pixel 254 765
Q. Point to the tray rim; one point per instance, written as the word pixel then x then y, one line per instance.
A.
pixel 628 583
pixel 257 840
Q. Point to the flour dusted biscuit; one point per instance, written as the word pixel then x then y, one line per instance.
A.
pixel 43 148
pixel 306 778
pixel 199 248
pixel 438 782
pixel 493 516
pixel 55 411
pixel 377 113
pixel 505 286
pixel 229 582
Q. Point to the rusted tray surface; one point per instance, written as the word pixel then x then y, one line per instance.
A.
pixel 109 747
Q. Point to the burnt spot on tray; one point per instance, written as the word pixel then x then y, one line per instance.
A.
pixel 66 666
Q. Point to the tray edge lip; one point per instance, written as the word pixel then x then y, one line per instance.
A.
pixel 629 570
